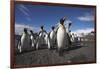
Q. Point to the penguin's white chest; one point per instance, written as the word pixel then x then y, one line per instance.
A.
pixel 61 37
pixel 25 40
pixel 31 37
pixel 41 35
pixel 41 38
pixel 72 38
pixel 52 35
pixel 46 38
pixel 33 40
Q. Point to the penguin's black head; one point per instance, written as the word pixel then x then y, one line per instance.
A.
pixel 72 33
pixel 53 27
pixel 31 31
pixel 69 30
pixel 70 24
pixel 62 20
pixel 25 30
pixel 42 27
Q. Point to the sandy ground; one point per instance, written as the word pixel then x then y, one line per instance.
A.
pixel 76 53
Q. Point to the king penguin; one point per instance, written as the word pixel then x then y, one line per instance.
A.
pixel 68 31
pixel 24 43
pixel 32 42
pixel 41 36
pixel 72 38
pixel 61 37
pixel 52 37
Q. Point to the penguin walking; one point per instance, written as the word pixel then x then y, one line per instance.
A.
pixel 41 39
pixel 32 38
pixel 61 37
pixel 24 43
pixel 52 37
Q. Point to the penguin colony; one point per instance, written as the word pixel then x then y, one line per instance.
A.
pixel 60 38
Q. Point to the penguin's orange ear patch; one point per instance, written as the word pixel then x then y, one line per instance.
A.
pixel 62 26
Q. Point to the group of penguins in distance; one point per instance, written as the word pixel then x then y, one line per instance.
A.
pixel 61 37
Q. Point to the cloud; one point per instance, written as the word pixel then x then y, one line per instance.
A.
pixel 84 31
pixel 24 7
pixel 25 11
pixel 86 17
pixel 19 28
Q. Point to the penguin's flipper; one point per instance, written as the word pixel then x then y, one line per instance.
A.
pixel 20 40
pixel 30 42
pixel 39 33
pixel 57 30
pixel 19 44
pixel 49 34
pixel 20 49
pixel 49 45
pixel 37 42
pixel 45 31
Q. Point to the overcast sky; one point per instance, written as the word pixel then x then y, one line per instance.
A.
pixel 33 16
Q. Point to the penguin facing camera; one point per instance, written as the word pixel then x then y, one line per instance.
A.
pixel 32 39
pixel 52 37
pixel 24 43
pixel 61 37
pixel 41 38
